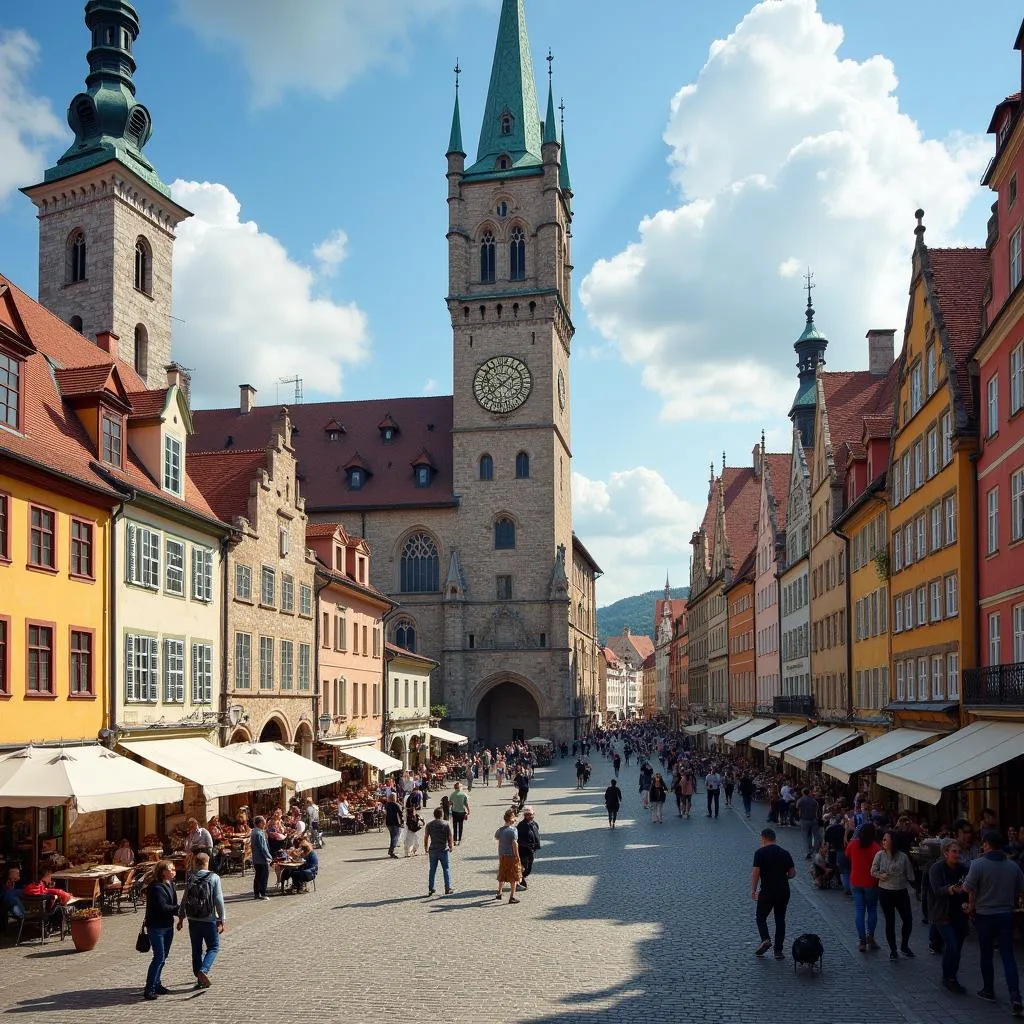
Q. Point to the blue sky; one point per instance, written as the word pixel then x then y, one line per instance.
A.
pixel 808 136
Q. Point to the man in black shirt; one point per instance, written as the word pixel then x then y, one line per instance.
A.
pixel 769 887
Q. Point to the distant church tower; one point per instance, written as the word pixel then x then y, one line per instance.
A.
pixel 106 220
pixel 810 353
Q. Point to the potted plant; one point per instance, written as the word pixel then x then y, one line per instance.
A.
pixel 86 924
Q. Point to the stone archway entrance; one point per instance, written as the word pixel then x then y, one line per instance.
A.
pixel 505 713
pixel 398 750
pixel 271 732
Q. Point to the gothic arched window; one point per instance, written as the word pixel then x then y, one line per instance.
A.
pixel 141 350
pixel 405 635
pixel 76 323
pixel 76 257
pixel 143 266
pixel 487 249
pixel 517 254
pixel 486 467
pixel 419 565
pixel 504 533
pixel 507 123
pixel 522 466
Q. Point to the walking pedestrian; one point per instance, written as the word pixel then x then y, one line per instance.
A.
pixel 746 788
pixel 894 872
pixel 945 891
pixel 860 853
pixel 713 782
pixel 522 784
pixel 993 885
pixel 616 764
pixel 440 841
pixel 612 802
pixel 528 834
pixel 470 775
pixel 769 887
pixel 460 812
pixel 809 815
pixel 485 766
pixel 203 905
pixel 646 778
pixel 446 806
pixel 657 797
pixel 509 866
pixel 581 770
pixel 161 906
pixel 393 820
pixel 261 858
pixel 413 825
pixel 729 784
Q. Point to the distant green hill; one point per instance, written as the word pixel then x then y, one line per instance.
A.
pixel 637 612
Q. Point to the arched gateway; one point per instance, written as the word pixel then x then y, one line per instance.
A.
pixel 507 710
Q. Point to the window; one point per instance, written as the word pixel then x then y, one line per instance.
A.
pixel 243 661
pixel 504 588
pixel 894 475
pixel 243 583
pixel 172 465
pixel 405 635
pixel 140 667
pixel 918 465
pixel 932 369
pixel 10 389
pixel 174 671
pixel 953 676
pixel 908 610
pixel 355 637
pixel 935 516
pixel 42 551
pixel 938 690
pixel 517 254
pixel 268 587
pixel 522 466
pixel 306 600
pixel 266 662
pixel 5 655
pixel 952 596
pixel 202 574
pixel 906 475
pixel 143 551
pixel 922 678
pixel 487 251
pixel 1016 379
pixel 75 323
pixel 897 551
pixel 419 565
pixel 1018 636
pixel 992 405
pixel 110 451
pixel 946 427
pixel 365 706
pixel 81 548
pixel 305 666
pixel 287 593
pixel 282 541
pixel 1015 259
pixel 174 569
pixel 897 616
pixel 1011 192
pixel 202 674
pixel 921 536
pixel 908 544
pixel 80 683
pixel 287 665
pixel 935 599
pixel 922 606
pixel 141 350
pixel 143 267
pixel 422 476
pixel 507 123
pixel 992 520
pixel 900 689
pixel 915 388
pixel 340 633
pixel 949 512
pixel 933 452
pixel 76 257
pixel 486 467
pixel 504 534
pixel 994 657
pixel 1016 506
pixel 356 478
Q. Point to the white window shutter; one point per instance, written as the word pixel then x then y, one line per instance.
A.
pixel 131 691
pixel 208 574
pixel 154 661
pixel 197 589
pixel 131 555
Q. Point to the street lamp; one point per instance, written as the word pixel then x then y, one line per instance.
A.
pixel 324 721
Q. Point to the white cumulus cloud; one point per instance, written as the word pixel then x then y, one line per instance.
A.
pixel 319 46
pixel 332 251
pixel 247 312
pixel 28 125
pixel 636 527
pixel 784 155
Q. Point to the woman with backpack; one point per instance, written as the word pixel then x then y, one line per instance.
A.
pixel 413 828
pixel 161 906
pixel 895 874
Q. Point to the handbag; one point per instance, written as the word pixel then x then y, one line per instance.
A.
pixel 142 943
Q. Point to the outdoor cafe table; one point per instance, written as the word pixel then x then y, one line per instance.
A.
pixel 279 867
pixel 87 884
pixel 151 853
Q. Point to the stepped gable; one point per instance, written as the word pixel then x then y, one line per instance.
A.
pixel 677 605
pixel 423 423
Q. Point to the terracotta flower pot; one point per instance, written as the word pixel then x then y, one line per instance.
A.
pixel 85 932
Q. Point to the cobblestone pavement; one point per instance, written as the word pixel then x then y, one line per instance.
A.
pixel 647 922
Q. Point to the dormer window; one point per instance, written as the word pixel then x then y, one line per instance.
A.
pixel 387 435
pixel 503 163
pixel 356 478
pixel 333 435
pixel 388 429
pixel 422 476
pixel 1004 131
pixel 507 123
pixel 172 465
pixel 10 390
pixel 110 439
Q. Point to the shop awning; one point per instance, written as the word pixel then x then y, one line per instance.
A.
pixel 537 741
pixel 452 737
pixel 963 755
pixel 803 754
pixel 297 770
pixel 744 732
pixel 90 778
pixel 695 729
pixel 721 730
pixel 201 762
pixel 368 754
pixel 780 746
pixel 780 732
pixel 844 766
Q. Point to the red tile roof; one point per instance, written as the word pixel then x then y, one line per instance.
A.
pixel 643 645
pixel 742 493
pixel 422 422
pixel 779 469
pixel 83 380
pixel 224 479
pixel 610 657
pixel 147 404
pixel 850 396
pixel 315 530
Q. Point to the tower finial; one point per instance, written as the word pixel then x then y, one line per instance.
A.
pixel 810 286
pixel 551 60
pixel 919 230
pixel 458 72
pixel 561 110
pixel 550 128
pixel 723 463
pixel 455 139
pixel 762 441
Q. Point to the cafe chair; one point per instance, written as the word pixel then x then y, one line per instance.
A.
pixel 37 915
pixel 114 892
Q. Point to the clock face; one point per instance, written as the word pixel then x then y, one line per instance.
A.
pixel 502 384
pixel 561 389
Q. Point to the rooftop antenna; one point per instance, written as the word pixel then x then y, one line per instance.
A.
pixel 297 381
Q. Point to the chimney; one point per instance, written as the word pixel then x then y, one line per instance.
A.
pixel 107 340
pixel 881 351
pixel 246 398
pixel 174 375
pixel 756 455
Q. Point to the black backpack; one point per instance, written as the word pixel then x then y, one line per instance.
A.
pixel 198 899
pixel 808 950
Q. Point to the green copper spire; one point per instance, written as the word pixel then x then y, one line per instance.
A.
pixel 550 128
pixel 455 140
pixel 511 126
pixel 107 121
pixel 563 172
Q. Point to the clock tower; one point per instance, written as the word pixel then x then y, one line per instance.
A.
pixel 510 300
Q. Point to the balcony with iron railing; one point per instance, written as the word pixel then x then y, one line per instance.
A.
pixel 994 686
pixel 794 704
